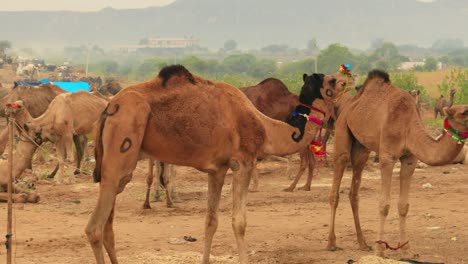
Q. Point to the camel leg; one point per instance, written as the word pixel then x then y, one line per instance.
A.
pixel 165 177
pixel 80 142
pixel 254 187
pixel 341 159
pixel 240 184
pixel 215 186
pixel 359 156
pixel 61 153
pixel 302 168
pixel 386 168
pixel 157 182
pixel 325 139
pixel 149 183
pixel 408 165
pixel 310 160
pixel 109 238
pixel 100 218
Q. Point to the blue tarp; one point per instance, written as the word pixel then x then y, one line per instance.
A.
pixel 67 86
pixel 73 86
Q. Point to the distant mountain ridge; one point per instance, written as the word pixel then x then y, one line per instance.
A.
pixel 253 24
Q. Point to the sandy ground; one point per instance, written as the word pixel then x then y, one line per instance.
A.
pixel 282 227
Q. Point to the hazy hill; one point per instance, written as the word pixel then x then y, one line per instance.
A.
pixel 253 24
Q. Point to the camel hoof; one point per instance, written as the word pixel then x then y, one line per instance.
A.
pixel 76 172
pixel 333 248
pixel 365 248
pixel 254 190
pixel 172 205
pixel 288 190
pixel 304 188
pixel 146 206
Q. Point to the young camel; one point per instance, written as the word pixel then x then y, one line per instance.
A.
pixel 183 119
pixel 385 119
pixel 68 115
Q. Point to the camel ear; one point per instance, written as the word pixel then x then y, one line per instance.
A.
pixel 449 112
pixel 304 77
pixel 26 127
pixel 419 92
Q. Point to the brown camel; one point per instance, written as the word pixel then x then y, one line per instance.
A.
pixel 442 102
pixel 110 87
pixel 182 119
pixel 385 119
pixel 68 115
pixel 273 99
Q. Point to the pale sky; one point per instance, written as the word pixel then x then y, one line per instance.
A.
pixel 77 5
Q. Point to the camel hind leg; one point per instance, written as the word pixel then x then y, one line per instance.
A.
pixel 118 146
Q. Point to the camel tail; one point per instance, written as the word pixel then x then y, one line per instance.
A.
pixel 98 149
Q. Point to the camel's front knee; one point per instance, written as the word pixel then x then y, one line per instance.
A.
pixel 94 234
pixel 384 209
pixel 403 209
pixel 342 159
pixel 238 224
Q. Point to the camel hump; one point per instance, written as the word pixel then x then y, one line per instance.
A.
pixel 168 72
pixel 378 74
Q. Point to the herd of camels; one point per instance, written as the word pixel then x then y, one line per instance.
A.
pixel 179 118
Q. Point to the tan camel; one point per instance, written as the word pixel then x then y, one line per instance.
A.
pixel 36 99
pixel 183 119
pixel 385 119
pixel 68 115
pixel 442 102
pixel 21 158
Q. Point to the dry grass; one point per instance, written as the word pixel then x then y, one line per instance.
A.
pixel 176 258
pixel 430 80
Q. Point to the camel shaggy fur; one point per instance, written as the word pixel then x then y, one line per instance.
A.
pixel 182 119
pixel 68 115
pixel 385 119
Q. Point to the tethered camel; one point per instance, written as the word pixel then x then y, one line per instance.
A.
pixel 183 119
pixel 385 119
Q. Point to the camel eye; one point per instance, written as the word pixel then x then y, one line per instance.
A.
pixel 465 113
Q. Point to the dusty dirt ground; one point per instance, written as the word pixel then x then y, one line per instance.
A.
pixel 282 227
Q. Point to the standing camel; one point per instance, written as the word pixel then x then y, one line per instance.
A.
pixel 273 99
pixel 182 119
pixel 442 102
pixel 385 119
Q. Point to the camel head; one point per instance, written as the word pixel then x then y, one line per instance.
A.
pixel 456 123
pixel 452 92
pixel 36 133
pixel 312 89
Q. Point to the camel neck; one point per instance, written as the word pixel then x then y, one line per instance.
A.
pixel 23 155
pixel 431 151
